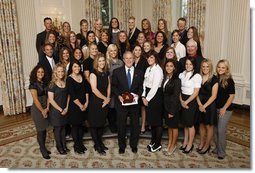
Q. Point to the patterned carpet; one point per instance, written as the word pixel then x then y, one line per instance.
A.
pixel 19 149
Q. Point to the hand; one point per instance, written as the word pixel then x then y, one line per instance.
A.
pixel 45 113
pixel 202 108
pixel 145 102
pixel 64 111
pixel 170 116
pixel 121 99
pixel 85 105
pixel 184 105
pixel 106 101
pixel 82 108
pixel 222 112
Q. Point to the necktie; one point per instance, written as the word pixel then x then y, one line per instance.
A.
pixel 129 78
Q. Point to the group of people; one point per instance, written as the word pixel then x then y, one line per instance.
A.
pixel 86 76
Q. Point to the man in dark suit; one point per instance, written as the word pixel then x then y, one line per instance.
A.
pixel 40 38
pixel 127 79
pixel 47 61
pixel 133 31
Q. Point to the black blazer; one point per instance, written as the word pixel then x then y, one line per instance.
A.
pixel 132 40
pixel 45 63
pixel 120 83
pixel 171 94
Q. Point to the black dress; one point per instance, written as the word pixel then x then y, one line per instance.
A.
pixel 210 116
pixel 96 114
pixel 41 123
pixel 77 91
pixel 60 97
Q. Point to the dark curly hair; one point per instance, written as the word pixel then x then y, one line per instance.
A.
pixel 33 75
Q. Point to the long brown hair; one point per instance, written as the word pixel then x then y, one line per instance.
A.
pixel 96 60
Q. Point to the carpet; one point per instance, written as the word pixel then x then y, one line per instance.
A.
pixel 19 149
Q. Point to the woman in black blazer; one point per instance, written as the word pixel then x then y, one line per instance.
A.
pixel 171 91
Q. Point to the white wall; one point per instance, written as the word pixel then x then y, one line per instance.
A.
pixel 227 35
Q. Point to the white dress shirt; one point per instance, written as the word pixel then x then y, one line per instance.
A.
pixel 180 50
pixel 51 61
pixel 188 84
pixel 152 79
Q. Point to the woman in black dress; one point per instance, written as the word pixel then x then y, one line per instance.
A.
pixel 40 106
pixel 152 99
pixel 207 114
pixel 171 91
pixel 59 100
pixel 99 100
pixel 78 90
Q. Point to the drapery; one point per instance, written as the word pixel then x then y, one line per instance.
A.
pixel 161 9
pixel 196 17
pixel 92 12
pixel 124 11
pixel 11 74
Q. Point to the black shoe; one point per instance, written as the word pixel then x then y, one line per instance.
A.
pixel 99 150
pixel 66 150
pixel 199 149
pixel 151 144
pixel 46 157
pixel 104 147
pixel 134 150
pixel 48 151
pixel 187 152
pixel 61 151
pixel 220 158
pixel 121 151
pixel 207 150
pixel 182 148
pixel 142 132
pixel 155 148
pixel 78 150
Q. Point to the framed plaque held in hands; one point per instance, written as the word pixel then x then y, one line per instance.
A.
pixel 129 99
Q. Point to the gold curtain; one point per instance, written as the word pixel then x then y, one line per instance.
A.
pixel 196 17
pixel 161 9
pixel 124 11
pixel 92 12
pixel 11 75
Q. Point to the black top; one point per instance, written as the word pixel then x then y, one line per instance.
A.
pixel 102 48
pixel 40 87
pixel 60 97
pixel 205 92
pixel 142 65
pixel 223 94
pixel 184 37
pixel 77 91
pixel 88 64
pixel 82 38
pixel 132 39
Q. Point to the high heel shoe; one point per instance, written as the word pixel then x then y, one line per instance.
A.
pixel 78 150
pixel 83 148
pixel 99 150
pixel 199 149
pixel 187 152
pixel 61 151
pixel 207 150
pixel 183 148
pixel 66 149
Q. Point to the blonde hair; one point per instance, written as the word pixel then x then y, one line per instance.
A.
pixel 223 79
pixel 108 58
pixel 96 60
pixel 54 74
pixel 209 62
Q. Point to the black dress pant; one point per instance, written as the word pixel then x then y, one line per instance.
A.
pixel 122 113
